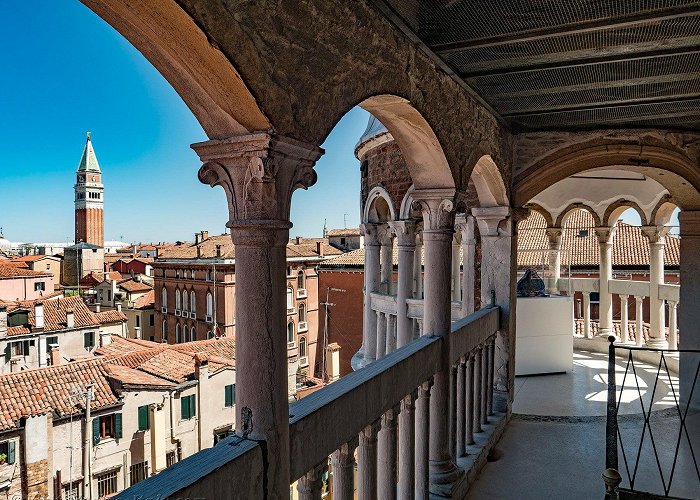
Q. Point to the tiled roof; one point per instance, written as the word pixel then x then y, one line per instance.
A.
pixel 207 249
pixel 55 314
pixel 11 272
pixel 131 285
pixel 146 301
pixel 580 246
pixel 31 258
pixel 355 258
pixel 131 376
pixel 112 316
pixel 352 231
pixel 310 250
pixel 122 345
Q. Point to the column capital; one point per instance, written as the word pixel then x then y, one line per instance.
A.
pixel 605 234
pixel 384 234
pixel 370 232
pixel 656 234
pixel 554 237
pixel 259 172
pixel 490 218
pixel 437 207
pixel 405 231
pixel 464 225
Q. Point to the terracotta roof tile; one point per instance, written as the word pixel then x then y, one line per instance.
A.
pixel 146 301
pixel 55 314
pixel 10 272
pixel 112 316
pixel 351 231
pixel 131 285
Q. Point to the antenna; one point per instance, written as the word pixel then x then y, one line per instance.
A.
pixel 345 221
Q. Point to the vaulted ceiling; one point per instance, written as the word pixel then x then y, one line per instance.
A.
pixel 566 64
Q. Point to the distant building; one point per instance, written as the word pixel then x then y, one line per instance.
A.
pixel 345 239
pixel 89 199
pixel 79 260
pixel 24 284
pixel 41 263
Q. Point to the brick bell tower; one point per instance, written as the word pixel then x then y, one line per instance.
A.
pixel 89 199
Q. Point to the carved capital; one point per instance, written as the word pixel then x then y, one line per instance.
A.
pixel 259 172
pixel 437 207
pixel 385 235
pixel 656 234
pixel 554 237
pixel 405 231
pixel 489 220
pixel 371 234
pixel 464 225
pixel 605 234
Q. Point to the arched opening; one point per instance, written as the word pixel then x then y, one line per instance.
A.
pixel 301 279
pixel 290 333
pixel 302 312
pixel 178 333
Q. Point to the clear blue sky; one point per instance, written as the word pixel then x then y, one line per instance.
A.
pixel 64 72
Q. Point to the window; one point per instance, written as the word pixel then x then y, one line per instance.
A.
pixel 9 449
pixel 301 280
pixel 302 347
pixel 53 340
pixel 185 301
pixel 138 472
pixel 106 427
pixel 106 483
pixel 39 286
pixel 152 320
pixel 210 275
pixel 210 334
pixel 193 334
pixel 290 299
pixel 178 334
pixel 188 407
pixel 290 332
pixel 230 395
pixel 165 331
pixel 193 302
pixel 210 304
pixel 302 312
pixel 184 333
pixel 20 348
pixel 177 300
pixel 89 340
pixel 138 320
pixel 164 297
pixel 223 433
pixel 170 458
pixel 144 418
pixel 73 491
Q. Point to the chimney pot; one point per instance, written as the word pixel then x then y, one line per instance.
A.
pixel 218 250
pixel 205 235
pixel 39 315
pixel 55 356
pixel 319 248
pixel 98 308
pixel 298 240
pixel 119 306
pixel 70 318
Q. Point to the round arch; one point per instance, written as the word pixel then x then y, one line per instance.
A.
pixel 489 184
pixel 543 212
pixel 378 207
pixel 661 216
pixel 615 210
pixel 561 218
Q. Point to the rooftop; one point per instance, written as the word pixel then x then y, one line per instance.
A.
pixel 9 271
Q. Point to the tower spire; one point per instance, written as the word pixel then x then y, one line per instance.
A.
pixel 88 161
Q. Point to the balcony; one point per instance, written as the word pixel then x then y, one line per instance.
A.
pixel 301 293
pixel 303 326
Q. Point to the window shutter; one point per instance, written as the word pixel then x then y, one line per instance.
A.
pixel 8 352
pixel 11 452
pixel 184 408
pixel 227 396
pixel 193 406
pixel 25 348
pixel 118 425
pixel 95 430
pixel 233 394
pixel 143 418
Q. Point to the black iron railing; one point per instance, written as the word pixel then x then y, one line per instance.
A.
pixel 634 439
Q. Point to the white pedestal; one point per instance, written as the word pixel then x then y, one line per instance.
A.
pixel 544 335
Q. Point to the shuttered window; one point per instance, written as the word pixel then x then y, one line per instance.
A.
pixel 187 407
pixel 230 395
pixel 144 418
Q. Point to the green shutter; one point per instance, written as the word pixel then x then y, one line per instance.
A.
pixel 8 352
pixel 227 396
pixel 95 430
pixel 144 418
pixel 184 407
pixel 10 452
pixel 193 407
pixel 233 394
pixel 25 348
pixel 118 425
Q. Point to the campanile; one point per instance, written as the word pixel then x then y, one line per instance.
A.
pixel 89 199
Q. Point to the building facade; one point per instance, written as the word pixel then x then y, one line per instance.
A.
pixel 24 284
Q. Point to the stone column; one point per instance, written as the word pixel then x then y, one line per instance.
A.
pixel 386 239
pixel 672 324
pixel 309 485
pixel 689 314
pixel 386 458
pixel 368 351
pixel 259 173
pixel 465 225
pixel 418 263
pixel 624 318
pixel 498 258
pixel 437 207
pixel 605 316
pixel 390 333
pixel 461 408
pixel 422 451
pixel 657 313
pixel 343 465
pixel 381 334
pixel 405 231
pixel 407 462
pixel 456 281
pixel 367 463
pixel 638 320
pixel 587 315
pixel 554 239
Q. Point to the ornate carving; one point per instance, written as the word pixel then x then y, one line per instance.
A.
pixel 259 173
pixel 437 207
pixel 464 225
pixel 554 237
pixel 605 234
pixel 371 233
pixel 656 234
pixel 385 235
pixel 490 218
pixel 405 231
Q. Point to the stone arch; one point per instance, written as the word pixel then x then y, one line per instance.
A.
pixel 543 212
pixel 661 215
pixel 617 208
pixel 198 71
pixel 672 169
pixel 561 218
pixel 378 207
pixel 489 183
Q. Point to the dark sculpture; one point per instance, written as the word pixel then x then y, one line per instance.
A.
pixel 531 285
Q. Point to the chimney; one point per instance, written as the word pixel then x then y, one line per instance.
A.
pixel 319 248
pixel 333 362
pixel 39 316
pixel 137 332
pixel 70 318
pixel 199 252
pixel 3 321
pixel 218 250
pixel 205 235
pixel 201 367
pixel 55 356
pixel 98 307
pixel 298 240
pixel 119 306
pixel 105 338
pixel 197 238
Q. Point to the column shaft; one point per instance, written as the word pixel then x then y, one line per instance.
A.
pixel 372 280
pixel 343 465
pixel 465 224
pixel 672 325
pixel 367 463
pixel 421 439
pixel 390 333
pixel 456 278
pixel 605 318
pixel 381 334
pixel 587 315
pixel 657 311
pixel 461 409
pixel 469 398
pixel 386 457
pixel 477 390
pixel 407 462
pixel 624 320
pixel 406 241
pixel 638 320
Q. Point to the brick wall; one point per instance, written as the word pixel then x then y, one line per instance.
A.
pixel 386 167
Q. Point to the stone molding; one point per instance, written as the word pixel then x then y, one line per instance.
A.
pixel 605 234
pixel 371 234
pixel 405 231
pixel 656 234
pixel 385 235
pixel 490 218
pixel 437 207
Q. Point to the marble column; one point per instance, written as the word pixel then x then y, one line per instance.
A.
pixel 343 465
pixel 437 207
pixel 605 316
pixel 368 351
pixel 672 324
pixel 638 320
pixel 456 278
pixel 367 463
pixel 689 314
pixel 418 263
pixel 386 457
pixel 259 172
pixel 407 462
pixel 624 318
pixel 381 334
pixel 657 312
pixel 405 231
pixel 587 315
pixel 386 239
pixel 465 225
pixel 422 435
pixel 390 333
pixel 554 240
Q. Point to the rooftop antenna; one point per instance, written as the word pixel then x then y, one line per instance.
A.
pixel 325 227
pixel 345 221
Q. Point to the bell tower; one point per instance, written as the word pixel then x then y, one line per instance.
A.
pixel 89 199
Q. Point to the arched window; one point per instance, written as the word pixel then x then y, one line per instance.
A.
pixel 290 299
pixel 164 297
pixel 290 332
pixel 178 334
pixel 193 302
pixel 185 300
pixel 210 334
pixel 177 300
pixel 184 333
pixel 165 329
pixel 210 304
pixel 302 312
pixel 301 280
pixel 193 334
pixel 302 347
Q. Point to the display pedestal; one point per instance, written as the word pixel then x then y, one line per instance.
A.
pixel 544 335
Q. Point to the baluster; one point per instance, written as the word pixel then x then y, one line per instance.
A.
pixel 386 460
pixel 638 320
pixel 381 334
pixel 367 463
pixel 587 315
pixel 407 463
pixel 624 322
pixel 469 398
pixel 484 384
pixel 461 408
pixel 672 325
pixel 452 412
pixel 492 361
pixel 309 485
pixel 390 333
pixel 422 434
pixel 343 464
pixel 477 390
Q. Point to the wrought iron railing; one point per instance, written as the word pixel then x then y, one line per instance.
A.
pixel 657 444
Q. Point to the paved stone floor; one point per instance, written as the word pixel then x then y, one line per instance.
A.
pixel 554 447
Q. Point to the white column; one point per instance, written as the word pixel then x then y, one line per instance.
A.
pixel 672 324
pixel 386 239
pixel 407 462
pixel 418 263
pixel 456 281
pixel 657 313
pixel 587 315
pixel 259 173
pixel 390 333
pixel 405 231
pixel 368 351
pixel 689 314
pixel 422 451
pixel 437 208
pixel 381 334
pixel 465 225
pixel 624 320
pixel 638 320
pixel 554 239
pixel 461 408
pixel 367 463
pixel 605 316
pixel 386 457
